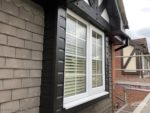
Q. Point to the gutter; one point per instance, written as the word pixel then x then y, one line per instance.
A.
pixel 123 46
pixel 123 36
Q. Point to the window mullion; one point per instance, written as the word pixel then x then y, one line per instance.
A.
pixel 87 59
pixel 103 61
pixel 90 60
pixel 76 60
pixel 96 61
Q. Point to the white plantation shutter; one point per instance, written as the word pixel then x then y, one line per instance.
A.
pixel 75 58
pixel 96 60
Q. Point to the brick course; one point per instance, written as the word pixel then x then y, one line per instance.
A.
pixel 21 46
pixel 10 107
pixel 5 96
pixel 3 39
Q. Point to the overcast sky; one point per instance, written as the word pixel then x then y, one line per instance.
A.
pixel 138 15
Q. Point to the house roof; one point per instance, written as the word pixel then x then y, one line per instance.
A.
pixel 119 6
pixel 142 42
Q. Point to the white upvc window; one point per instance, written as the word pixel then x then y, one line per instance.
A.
pixel 84 78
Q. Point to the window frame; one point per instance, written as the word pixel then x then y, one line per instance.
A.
pixel 98 89
pixel 91 93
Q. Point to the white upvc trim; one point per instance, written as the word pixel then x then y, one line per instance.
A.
pixel 143 105
pixel 87 1
pixel 88 64
pixel 101 88
pixel 83 100
pixel 80 96
pixel 105 15
pixel 100 2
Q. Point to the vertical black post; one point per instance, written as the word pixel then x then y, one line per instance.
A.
pixel 53 58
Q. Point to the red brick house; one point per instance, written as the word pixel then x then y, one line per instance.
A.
pixel 131 77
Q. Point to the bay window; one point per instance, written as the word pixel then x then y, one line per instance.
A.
pixel 84 78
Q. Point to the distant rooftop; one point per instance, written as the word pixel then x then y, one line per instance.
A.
pixel 142 42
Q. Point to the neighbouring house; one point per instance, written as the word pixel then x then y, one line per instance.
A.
pixel 132 77
pixel 56 56
pixel 144 59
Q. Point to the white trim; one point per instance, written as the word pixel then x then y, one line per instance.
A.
pixel 132 83
pixel 101 88
pixel 105 15
pixel 87 1
pixel 100 2
pixel 88 64
pixel 83 100
pixel 132 69
pixel 91 93
pixel 143 105
pixel 138 89
pixel 132 56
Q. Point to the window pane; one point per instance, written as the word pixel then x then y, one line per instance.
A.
pixel 96 60
pixel 81 31
pixel 70 39
pixel 75 58
pixel 70 45
pixel 99 47
pixel 94 81
pixel 71 25
pixel 94 67
pixel 94 34
pixel 81 47
pixel 69 83
pixel 93 47
pixel 99 67
pixel 81 65
pixel 80 84
pixel 70 64
pixel 99 80
pixel 99 40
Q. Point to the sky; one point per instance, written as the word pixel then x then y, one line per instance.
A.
pixel 138 15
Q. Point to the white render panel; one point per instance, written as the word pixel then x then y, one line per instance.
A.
pixel 86 1
pixel 100 2
pixel 105 15
pixel 132 64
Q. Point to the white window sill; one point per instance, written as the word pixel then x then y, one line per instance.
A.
pixel 83 100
